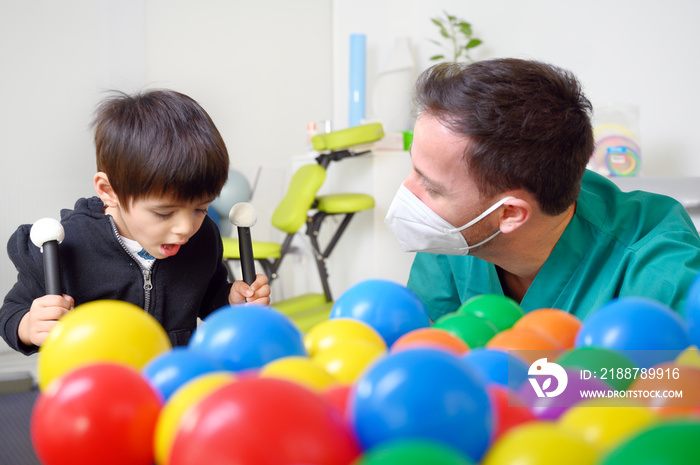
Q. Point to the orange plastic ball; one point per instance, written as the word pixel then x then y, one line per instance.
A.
pixel 431 338
pixel 558 324
pixel 528 342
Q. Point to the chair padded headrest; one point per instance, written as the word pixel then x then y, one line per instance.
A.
pixel 356 135
pixel 291 213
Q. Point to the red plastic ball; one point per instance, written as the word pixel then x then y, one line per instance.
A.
pixel 264 421
pixel 100 413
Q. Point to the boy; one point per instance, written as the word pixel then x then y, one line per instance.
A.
pixel 146 237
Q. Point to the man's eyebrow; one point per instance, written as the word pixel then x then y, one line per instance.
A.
pixel 429 183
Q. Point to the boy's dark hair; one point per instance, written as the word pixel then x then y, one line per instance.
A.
pixel 160 143
pixel 527 123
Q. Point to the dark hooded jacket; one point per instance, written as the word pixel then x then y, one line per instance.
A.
pixel 95 265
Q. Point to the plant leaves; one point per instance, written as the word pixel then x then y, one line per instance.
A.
pixel 443 31
pixel 437 57
pixel 466 29
pixel 473 43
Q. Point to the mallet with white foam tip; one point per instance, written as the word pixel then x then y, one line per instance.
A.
pixel 244 216
pixel 46 234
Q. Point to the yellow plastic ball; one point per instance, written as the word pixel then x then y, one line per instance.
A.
pixel 100 331
pixel 606 423
pixel 541 443
pixel 348 360
pixel 301 370
pixel 177 406
pixel 337 330
pixel 689 357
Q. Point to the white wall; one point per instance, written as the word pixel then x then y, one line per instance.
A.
pixel 639 51
pixel 262 69
pixel 56 59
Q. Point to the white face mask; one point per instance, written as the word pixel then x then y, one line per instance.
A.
pixel 419 229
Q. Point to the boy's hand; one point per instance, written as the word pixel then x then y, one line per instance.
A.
pixel 42 316
pixel 257 293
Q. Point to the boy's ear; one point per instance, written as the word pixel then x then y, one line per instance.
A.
pixel 104 189
pixel 515 214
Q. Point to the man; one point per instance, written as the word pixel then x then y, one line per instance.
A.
pixel 499 200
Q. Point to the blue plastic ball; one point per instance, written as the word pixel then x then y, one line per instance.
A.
pixel 692 312
pixel 170 370
pixel 236 190
pixel 648 331
pixel 390 308
pixel 247 336
pixel 422 394
pixel 497 366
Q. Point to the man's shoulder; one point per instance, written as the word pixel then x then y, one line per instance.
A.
pixel 630 217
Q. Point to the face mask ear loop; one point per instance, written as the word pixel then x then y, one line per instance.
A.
pixel 490 210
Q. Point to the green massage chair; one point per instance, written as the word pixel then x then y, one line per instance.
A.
pixel 302 207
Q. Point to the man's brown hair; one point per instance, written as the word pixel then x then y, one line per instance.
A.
pixel 527 125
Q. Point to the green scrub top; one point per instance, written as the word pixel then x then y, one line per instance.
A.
pixel 617 244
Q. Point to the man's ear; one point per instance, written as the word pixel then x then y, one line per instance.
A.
pixel 104 189
pixel 516 212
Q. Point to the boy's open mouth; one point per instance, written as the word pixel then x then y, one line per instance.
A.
pixel 170 249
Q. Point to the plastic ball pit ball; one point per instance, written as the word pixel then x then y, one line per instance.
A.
pixel 509 410
pixel 263 421
pixel 692 311
pixel 346 361
pixel 593 359
pixel 104 413
pixel 247 336
pixel 328 333
pixel 431 338
pixel 472 329
pixel 413 452
pixel 528 342
pixel 649 332
pixel 301 370
pixel 170 370
pixel 541 443
pixel 673 443
pixel 497 367
pixel 500 310
pixel 606 423
pixel 388 307
pixel 100 331
pixel 559 325
pixel 422 394
pixel 179 405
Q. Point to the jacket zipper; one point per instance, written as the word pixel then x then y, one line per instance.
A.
pixel 147 282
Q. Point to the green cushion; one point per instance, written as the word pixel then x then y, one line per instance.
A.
pixel 261 250
pixel 306 310
pixel 344 203
pixel 356 135
pixel 291 213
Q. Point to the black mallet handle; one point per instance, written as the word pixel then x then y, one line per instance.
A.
pixel 52 273
pixel 245 246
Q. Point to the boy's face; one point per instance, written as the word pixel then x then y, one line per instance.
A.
pixel 160 224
